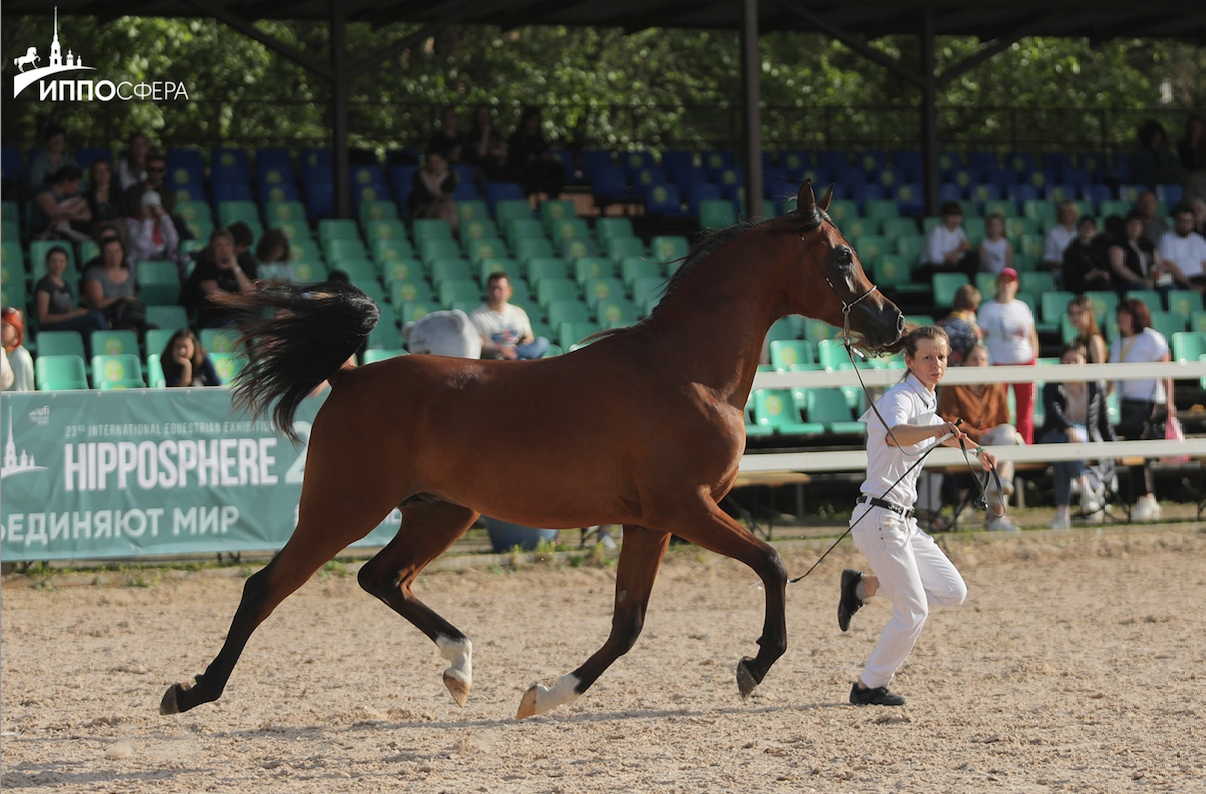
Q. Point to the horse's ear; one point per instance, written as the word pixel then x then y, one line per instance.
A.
pixel 806 202
pixel 825 201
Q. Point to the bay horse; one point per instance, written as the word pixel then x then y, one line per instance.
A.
pixel 644 427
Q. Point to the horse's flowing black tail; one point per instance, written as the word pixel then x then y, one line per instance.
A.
pixel 295 337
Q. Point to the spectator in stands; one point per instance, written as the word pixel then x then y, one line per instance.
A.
pixel 450 142
pixel 484 145
pixel 110 288
pixel 530 157
pixel 1145 403
pixel 1192 151
pixel 12 336
pixel 1074 412
pixel 505 328
pixel 947 248
pixel 996 252
pixel 960 324
pixel 156 180
pixel 1085 267
pixel 59 212
pixel 218 270
pixel 133 167
pixel 243 238
pixel 1199 216
pixel 1012 340
pixel 984 409
pixel 152 235
pixel 1083 315
pixel 431 192
pixel 1131 257
pixel 1181 259
pixel 1154 224
pixel 7 376
pixel 51 158
pixel 273 254
pixel 186 363
pixel 105 201
pixel 1060 236
pixel 1154 162
pixel 54 301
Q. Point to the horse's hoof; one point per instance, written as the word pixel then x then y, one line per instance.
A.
pixel 745 679
pixel 169 704
pixel 527 706
pixel 458 687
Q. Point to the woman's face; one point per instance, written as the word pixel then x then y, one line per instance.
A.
pixel 183 348
pixel 111 254
pixel 1007 289
pixel 978 357
pixel 56 144
pixel 1079 315
pixel 995 227
pixel 1126 323
pixel 1134 229
pixel 1074 356
pixel 8 335
pixel 56 263
pixel 928 364
pixel 100 173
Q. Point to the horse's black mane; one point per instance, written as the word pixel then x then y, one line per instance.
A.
pixel 708 245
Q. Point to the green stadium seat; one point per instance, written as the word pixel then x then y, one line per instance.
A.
pixel 616 311
pixel 570 310
pixel 540 268
pixel 451 267
pixel 373 354
pixel 787 354
pixel 117 372
pixel 114 343
pixel 575 247
pixel 608 228
pixel 551 289
pixel 403 291
pixel 509 209
pixel 158 282
pixel 392 248
pixel 156 340
pixel 358 270
pixel 170 318
pixel 588 267
pixel 385 229
pixel 716 214
pixel 411 311
pixel 469 210
pixel 58 372
pixel 227 365
pixel 231 211
pixel 478 229
pixel 634 267
pixel 620 247
pixel 453 290
pixel 431 229
pixel 668 248
pixel 1184 302
pixel 599 289
pixel 776 410
pixel 154 370
pixel 554 211
pixel 219 340
pixel 569 334
pixel 1188 345
pixel 433 248
pixel 309 272
pixel 485 248
pixel 377 210
pixel 336 248
pixel 278 211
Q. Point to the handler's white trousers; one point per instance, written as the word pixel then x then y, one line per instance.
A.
pixel 913 574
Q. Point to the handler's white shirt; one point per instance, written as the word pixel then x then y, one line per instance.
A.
pixel 907 403
pixel 1188 252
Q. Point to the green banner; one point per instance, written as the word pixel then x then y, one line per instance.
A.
pixel 104 474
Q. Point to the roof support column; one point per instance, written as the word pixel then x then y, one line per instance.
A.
pixel 340 81
pixel 751 138
pixel 929 111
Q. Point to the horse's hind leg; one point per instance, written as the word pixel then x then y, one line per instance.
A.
pixel 428 529
pixel 640 557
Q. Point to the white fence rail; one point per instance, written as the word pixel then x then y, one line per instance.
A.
pixel 815 461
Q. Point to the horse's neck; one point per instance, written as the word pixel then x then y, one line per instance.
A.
pixel 720 314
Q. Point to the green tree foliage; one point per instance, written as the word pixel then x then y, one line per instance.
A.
pixel 602 88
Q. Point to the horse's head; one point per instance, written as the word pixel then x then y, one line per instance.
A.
pixel 831 284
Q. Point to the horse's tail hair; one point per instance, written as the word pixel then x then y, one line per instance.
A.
pixel 295 337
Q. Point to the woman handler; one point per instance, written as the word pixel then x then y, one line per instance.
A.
pixel 909 568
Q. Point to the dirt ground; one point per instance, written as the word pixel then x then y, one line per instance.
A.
pixel 1076 665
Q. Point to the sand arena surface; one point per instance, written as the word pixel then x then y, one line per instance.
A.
pixel 1076 665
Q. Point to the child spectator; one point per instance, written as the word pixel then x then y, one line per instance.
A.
pixel 186 363
pixel 12 335
pixel 996 252
pixel 947 249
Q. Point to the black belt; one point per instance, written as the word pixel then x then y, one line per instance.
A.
pixel 875 501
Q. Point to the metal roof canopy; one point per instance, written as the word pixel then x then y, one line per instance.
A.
pixel 853 22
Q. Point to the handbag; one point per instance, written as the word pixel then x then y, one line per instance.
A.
pixel 126 314
pixel 1173 432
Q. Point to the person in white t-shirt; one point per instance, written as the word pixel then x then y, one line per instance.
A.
pixel 947 249
pixel 1012 339
pixel 1060 236
pixel 1143 402
pixel 996 252
pixel 1182 259
pixel 910 569
pixel 505 329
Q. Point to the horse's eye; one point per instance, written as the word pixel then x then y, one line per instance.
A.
pixel 844 256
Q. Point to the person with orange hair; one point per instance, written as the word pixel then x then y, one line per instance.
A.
pixel 12 335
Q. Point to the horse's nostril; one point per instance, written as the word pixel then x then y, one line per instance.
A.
pixel 900 324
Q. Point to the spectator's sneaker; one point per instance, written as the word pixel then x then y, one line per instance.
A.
pixel 1147 509
pixel 879 696
pixel 1001 524
pixel 1060 522
pixel 1090 504
pixel 848 603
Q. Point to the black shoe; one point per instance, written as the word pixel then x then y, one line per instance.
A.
pixel 879 696
pixel 849 603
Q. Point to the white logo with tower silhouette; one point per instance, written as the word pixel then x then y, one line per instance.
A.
pixel 14 463
pixel 57 63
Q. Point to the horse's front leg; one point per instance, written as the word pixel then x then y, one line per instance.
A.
pixel 640 557
pixel 716 531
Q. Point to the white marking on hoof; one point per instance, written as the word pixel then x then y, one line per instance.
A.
pixel 540 699
pixel 459 675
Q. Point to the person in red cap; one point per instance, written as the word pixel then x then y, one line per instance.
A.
pixel 1010 335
